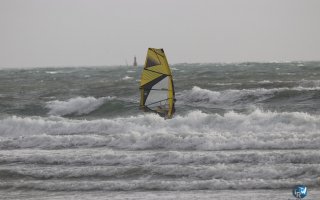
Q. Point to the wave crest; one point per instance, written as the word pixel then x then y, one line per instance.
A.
pixel 77 105
pixel 196 130
pixel 233 96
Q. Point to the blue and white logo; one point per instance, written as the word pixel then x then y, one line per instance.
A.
pixel 300 191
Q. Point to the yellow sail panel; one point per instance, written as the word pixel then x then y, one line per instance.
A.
pixel 156 85
pixel 148 76
pixel 161 69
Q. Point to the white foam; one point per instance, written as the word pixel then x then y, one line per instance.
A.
pixel 310 83
pixel 127 78
pixel 264 82
pixel 199 95
pixel 77 105
pixel 145 184
pixel 106 157
pixel 52 72
pixel 203 172
pixel 196 130
pixel 224 84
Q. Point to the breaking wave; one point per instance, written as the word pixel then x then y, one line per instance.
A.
pixel 108 157
pixel 310 83
pixel 194 131
pixel 127 78
pixel 204 172
pixel 145 184
pixel 199 95
pixel 77 105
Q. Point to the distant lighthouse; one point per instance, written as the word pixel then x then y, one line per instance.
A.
pixel 135 61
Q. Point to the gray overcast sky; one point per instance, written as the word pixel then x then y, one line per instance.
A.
pixel 109 32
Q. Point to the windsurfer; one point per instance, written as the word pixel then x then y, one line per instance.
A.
pixel 160 109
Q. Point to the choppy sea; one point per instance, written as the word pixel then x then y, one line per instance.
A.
pixel 240 131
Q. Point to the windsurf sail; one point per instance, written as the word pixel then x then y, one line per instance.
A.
pixel 156 85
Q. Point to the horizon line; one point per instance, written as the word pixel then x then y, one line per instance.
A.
pixel 179 63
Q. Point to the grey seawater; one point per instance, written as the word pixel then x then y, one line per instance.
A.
pixel 241 131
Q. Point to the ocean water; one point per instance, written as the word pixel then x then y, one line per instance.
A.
pixel 241 131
